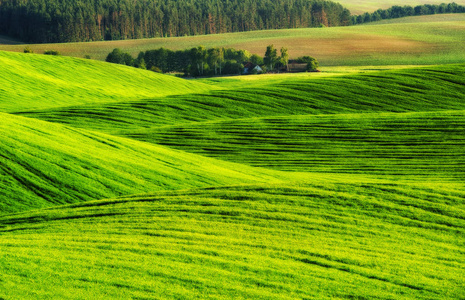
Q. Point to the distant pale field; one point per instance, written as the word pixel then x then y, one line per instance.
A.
pixel 421 40
pixel 361 6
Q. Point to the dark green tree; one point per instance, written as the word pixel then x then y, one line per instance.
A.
pixel 312 63
pixel 271 57
pixel 91 20
pixel 117 56
pixel 256 59
pixel 284 57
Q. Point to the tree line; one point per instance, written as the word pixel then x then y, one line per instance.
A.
pixel 201 61
pixel 406 11
pixel 47 21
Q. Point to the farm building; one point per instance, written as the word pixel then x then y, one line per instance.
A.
pixel 294 66
pixel 251 68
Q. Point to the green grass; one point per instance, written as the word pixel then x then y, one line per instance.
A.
pixel 44 164
pixel 38 81
pixel 344 239
pixel 435 39
pixel 414 145
pixel 405 122
pixel 417 89
pixel 362 196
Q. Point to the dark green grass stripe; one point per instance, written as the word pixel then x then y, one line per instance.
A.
pixel 422 89
pixel 417 144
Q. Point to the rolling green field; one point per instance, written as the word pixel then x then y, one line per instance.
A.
pixel 46 164
pixel 39 81
pixel 422 40
pixel 318 240
pixel 335 125
pixel 119 183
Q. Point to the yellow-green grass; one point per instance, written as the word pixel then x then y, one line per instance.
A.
pixel 361 6
pixel 239 81
pixel 407 145
pixel 202 228
pixel 44 164
pixel 31 81
pixel 406 122
pixel 405 90
pixel 429 40
pixel 349 239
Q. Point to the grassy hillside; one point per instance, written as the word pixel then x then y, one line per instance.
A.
pixel 377 213
pixel 38 81
pixel 417 89
pixel 336 124
pixel 427 40
pixel 419 145
pixel 44 164
pixel 321 240
pixel 422 19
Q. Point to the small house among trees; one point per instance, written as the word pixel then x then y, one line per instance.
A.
pixel 200 61
pixel 251 68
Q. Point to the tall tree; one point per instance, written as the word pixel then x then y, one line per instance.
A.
pixel 271 57
pixel 284 58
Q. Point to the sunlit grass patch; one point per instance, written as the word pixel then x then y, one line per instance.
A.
pixel 45 164
pixel 282 241
pixel 430 88
pixel 30 81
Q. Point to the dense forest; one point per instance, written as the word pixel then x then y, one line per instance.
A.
pixel 42 21
pixel 406 11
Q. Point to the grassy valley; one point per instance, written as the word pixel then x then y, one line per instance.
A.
pixel 319 125
pixel 415 145
pixel 404 90
pixel 121 183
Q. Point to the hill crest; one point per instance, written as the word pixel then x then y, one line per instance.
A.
pixel 32 81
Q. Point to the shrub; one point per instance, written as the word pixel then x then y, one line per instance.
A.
pixel 51 52
pixel 117 56
pixel 257 60
pixel 155 69
pixel 140 63
pixel 28 50
pixel 312 63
